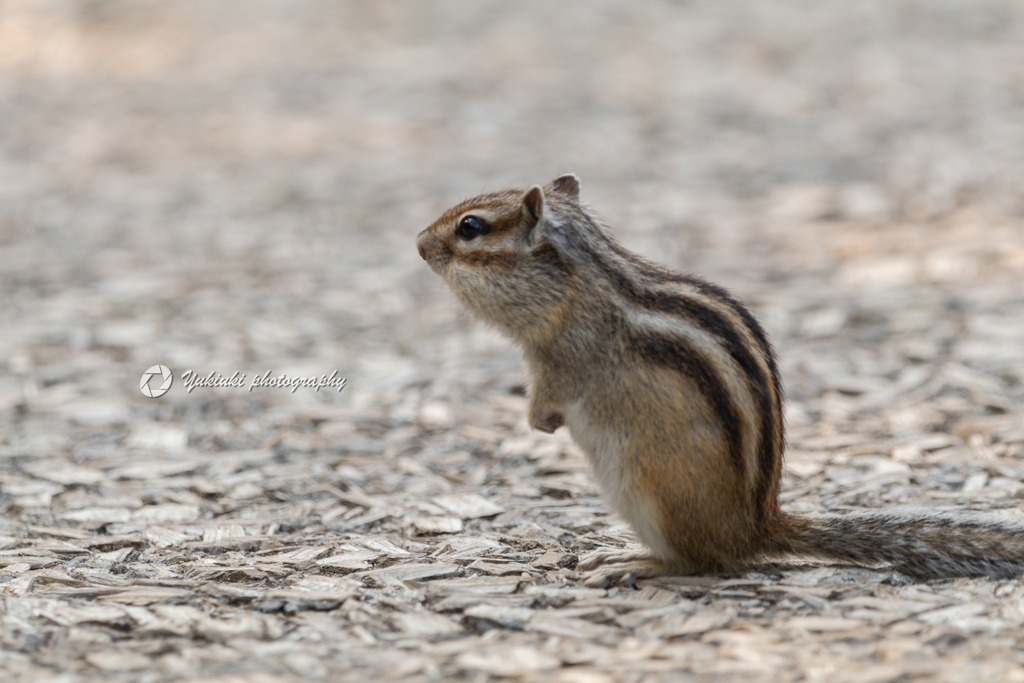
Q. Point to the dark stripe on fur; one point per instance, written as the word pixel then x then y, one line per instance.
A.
pixel 772 435
pixel 482 258
pixel 673 351
pixel 718 326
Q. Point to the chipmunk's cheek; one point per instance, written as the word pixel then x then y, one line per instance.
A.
pixel 440 261
pixel 454 278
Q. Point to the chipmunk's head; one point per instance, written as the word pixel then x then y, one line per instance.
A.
pixel 500 254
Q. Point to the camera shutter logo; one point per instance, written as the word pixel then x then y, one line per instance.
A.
pixel 156 381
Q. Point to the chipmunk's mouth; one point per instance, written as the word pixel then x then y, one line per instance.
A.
pixel 436 255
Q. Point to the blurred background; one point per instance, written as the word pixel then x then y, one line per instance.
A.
pixel 224 186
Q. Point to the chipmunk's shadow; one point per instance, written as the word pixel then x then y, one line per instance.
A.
pixel 795 573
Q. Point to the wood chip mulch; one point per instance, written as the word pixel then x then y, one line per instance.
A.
pixel 226 186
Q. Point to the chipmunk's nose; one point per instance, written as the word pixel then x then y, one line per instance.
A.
pixel 421 242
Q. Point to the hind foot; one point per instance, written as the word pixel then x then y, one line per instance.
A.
pixel 606 568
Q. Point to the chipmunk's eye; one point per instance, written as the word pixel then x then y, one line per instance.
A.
pixel 471 226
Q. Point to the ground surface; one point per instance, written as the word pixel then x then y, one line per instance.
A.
pixel 224 187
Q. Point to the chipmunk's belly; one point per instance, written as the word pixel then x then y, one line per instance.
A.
pixel 607 451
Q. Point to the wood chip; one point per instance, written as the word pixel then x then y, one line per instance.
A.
pixel 557 625
pixel 437 525
pixel 824 624
pixel 167 512
pixel 504 616
pixel 511 661
pixel 112 661
pixel 468 506
pixel 67 475
pixel 412 571
pixel 425 625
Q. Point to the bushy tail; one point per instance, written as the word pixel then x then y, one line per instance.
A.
pixel 922 544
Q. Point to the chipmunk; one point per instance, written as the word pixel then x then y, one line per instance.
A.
pixel 671 388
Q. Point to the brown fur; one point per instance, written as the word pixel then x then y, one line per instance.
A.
pixel 671 388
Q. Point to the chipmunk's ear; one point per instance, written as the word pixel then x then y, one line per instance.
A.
pixel 535 215
pixel 567 184
pixel 533 206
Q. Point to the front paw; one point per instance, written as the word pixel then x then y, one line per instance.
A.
pixel 546 421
